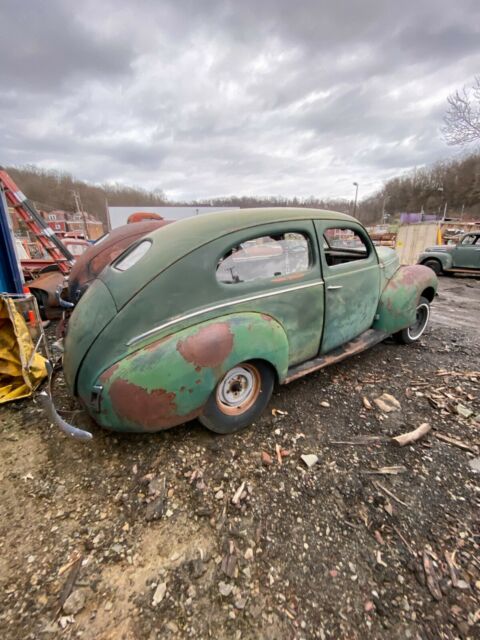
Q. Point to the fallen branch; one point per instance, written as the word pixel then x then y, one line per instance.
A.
pixel 238 493
pixel 388 471
pixel 412 436
pixel 361 440
pixel 432 582
pixel 389 493
pixel 450 559
pixel 454 442
pixel 399 534
pixel 69 583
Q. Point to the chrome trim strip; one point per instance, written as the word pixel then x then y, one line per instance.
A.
pixel 222 305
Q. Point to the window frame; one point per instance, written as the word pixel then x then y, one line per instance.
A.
pixel 261 231
pixel 324 225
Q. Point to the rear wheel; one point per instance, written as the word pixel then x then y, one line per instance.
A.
pixel 239 397
pixel 415 331
pixel 434 265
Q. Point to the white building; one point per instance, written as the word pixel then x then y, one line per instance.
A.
pixel 118 216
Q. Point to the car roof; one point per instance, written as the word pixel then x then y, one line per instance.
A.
pixel 209 226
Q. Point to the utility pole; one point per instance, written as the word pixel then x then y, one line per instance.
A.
pixel 79 207
pixel 385 200
pixel 355 184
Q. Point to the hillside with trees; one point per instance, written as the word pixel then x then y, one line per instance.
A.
pixel 55 190
pixel 454 182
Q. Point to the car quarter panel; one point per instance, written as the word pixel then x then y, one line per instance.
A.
pixel 168 381
pixel 399 299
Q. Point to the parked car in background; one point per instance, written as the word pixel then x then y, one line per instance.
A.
pixel 202 318
pixel 462 257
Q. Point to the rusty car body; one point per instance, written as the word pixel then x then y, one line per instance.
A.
pixel 87 267
pixel 201 319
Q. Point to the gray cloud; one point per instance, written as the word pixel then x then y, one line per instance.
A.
pixel 211 98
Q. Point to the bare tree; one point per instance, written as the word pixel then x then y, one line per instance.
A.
pixel 462 119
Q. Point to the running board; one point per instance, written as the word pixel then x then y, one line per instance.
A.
pixel 470 272
pixel 364 341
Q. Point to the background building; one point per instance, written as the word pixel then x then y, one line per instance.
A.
pixel 81 223
pixel 118 216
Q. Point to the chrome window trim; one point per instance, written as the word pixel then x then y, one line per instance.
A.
pixel 221 305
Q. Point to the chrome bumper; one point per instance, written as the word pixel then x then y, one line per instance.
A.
pixel 45 398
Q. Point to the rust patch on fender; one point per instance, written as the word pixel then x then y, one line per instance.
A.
pixel 410 275
pixel 108 373
pixel 151 409
pixel 209 346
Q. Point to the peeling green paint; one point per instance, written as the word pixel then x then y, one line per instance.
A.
pixel 400 297
pixel 169 383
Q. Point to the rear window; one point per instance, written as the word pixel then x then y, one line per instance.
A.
pixel 133 256
pixel 265 257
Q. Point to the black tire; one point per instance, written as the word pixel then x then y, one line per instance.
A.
pixel 239 398
pixel 434 265
pixel 414 332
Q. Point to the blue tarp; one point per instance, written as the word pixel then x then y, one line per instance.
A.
pixel 11 280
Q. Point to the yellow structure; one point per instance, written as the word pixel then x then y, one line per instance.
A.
pixel 21 368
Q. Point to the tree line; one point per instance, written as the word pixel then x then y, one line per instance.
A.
pixel 51 190
pixel 454 183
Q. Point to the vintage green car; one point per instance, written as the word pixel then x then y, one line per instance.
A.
pixel 463 257
pixel 202 318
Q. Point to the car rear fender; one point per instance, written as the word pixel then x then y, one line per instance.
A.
pixel 398 302
pixel 168 381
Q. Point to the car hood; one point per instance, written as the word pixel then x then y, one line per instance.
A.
pixel 440 247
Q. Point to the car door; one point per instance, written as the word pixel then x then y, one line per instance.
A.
pixel 275 270
pixel 467 254
pixel 351 274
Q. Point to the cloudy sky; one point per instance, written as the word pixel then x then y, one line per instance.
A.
pixel 203 98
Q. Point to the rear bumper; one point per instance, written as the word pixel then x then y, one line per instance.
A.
pixel 45 399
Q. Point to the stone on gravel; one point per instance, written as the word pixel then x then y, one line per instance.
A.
pixel 155 509
pixel 225 589
pixel 159 594
pixel 310 459
pixel 475 464
pixel 266 459
pixel 463 411
pixel 75 602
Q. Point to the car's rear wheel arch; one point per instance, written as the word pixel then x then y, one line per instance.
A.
pixel 428 293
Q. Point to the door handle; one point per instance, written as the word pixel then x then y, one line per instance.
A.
pixel 334 286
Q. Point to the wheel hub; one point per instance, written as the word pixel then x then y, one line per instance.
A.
pixel 236 387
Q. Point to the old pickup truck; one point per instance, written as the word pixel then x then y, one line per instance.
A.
pixel 202 318
pixel 463 257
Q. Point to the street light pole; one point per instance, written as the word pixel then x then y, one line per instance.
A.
pixel 385 200
pixel 355 184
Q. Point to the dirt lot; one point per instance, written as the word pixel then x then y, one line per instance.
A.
pixel 142 529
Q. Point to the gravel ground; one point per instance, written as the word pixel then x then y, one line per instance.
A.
pixel 186 534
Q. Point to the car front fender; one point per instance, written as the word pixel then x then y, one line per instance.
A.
pixel 167 382
pixel 399 299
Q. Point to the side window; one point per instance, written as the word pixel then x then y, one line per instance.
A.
pixel 343 245
pixel 468 240
pixel 266 257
